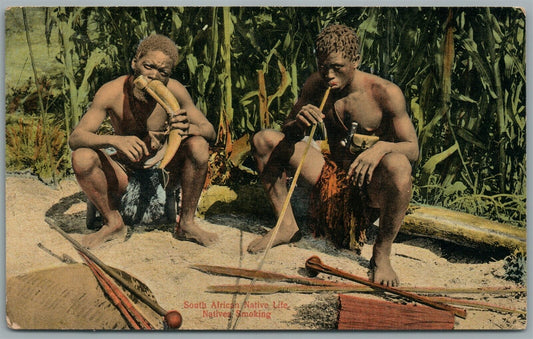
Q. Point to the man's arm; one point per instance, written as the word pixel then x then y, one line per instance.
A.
pixel 84 134
pixel 190 120
pixel 405 139
pixel 392 102
pixel 305 112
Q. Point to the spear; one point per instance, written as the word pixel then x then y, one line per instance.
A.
pixel 314 264
pixel 172 318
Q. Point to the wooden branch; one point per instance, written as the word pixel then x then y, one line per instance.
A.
pixel 478 304
pixel 341 287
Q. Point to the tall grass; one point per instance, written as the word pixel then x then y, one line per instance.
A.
pixel 462 71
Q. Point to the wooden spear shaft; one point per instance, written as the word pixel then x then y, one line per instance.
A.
pixel 294 180
pixel 315 264
pixel 313 284
pixel 260 275
pixel 271 289
pixel 112 295
pixel 158 309
pixel 134 317
pixel 345 287
pixel 478 304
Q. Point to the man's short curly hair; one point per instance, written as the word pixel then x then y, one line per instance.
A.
pixel 158 42
pixel 340 39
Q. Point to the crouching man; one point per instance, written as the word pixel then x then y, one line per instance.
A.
pixel 354 182
pixel 141 129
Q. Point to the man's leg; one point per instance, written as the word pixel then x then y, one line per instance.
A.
pixel 189 167
pixel 390 189
pixel 273 153
pixel 103 181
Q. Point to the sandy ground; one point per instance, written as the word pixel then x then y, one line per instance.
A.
pixel 162 263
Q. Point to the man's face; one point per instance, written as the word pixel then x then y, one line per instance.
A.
pixel 154 65
pixel 336 70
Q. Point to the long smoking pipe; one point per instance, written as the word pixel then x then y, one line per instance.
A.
pixel 287 198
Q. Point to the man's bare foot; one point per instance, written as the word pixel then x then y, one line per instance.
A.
pixel 104 234
pixel 381 272
pixel 192 232
pixel 284 236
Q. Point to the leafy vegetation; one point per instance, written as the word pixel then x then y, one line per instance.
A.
pixel 515 267
pixel 26 147
pixel 462 71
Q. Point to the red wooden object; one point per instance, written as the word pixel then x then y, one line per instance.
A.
pixel 371 314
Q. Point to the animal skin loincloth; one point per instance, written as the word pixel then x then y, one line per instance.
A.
pixel 339 209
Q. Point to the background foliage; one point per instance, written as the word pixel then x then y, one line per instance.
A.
pixel 462 71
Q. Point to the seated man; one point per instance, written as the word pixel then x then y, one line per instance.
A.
pixel 141 127
pixel 351 186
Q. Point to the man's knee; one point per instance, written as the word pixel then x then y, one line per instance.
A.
pixel 197 148
pixel 265 141
pixel 84 160
pixel 397 169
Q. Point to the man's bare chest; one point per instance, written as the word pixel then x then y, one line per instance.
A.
pixel 366 112
pixel 137 115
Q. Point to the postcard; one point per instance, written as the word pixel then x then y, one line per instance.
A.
pixel 265 168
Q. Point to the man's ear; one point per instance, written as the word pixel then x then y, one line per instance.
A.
pixel 357 61
pixel 133 62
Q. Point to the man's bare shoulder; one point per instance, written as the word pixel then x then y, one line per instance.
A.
pixel 113 86
pixel 385 92
pixel 110 93
pixel 175 86
pixel 180 92
pixel 379 86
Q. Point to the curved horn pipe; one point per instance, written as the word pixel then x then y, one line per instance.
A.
pixel 167 100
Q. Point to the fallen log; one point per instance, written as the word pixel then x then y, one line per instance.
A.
pixel 463 229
